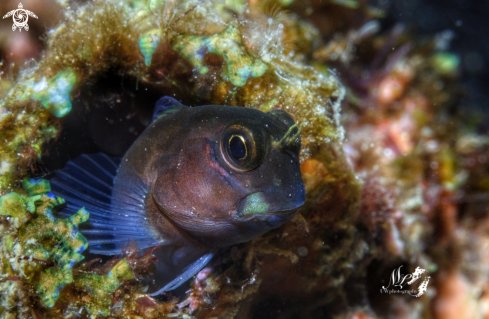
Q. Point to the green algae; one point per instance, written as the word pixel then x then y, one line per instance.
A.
pixel 36 187
pixel 269 105
pixel 100 288
pixel 54 93
pixel 22 137
pixel 236 5
pixel 16 205
pixel 240 65
pixel 9 242
pixel 45 238
pixel 52 246
pixel 13 205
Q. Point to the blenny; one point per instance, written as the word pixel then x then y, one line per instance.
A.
pixel 197 180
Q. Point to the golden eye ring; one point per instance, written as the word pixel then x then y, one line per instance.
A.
pixel 242 147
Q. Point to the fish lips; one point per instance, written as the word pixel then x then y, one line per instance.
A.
pixel 259 206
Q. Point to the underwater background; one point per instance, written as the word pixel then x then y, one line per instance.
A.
pixel 393 99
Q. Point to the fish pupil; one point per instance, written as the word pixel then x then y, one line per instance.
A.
pixel 237 146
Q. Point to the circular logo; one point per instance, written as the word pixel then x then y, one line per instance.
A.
pixel 20 17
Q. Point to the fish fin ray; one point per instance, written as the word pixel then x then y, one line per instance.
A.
pixel 117 214
pixel 187 273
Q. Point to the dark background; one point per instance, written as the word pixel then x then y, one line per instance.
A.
pixel 468 21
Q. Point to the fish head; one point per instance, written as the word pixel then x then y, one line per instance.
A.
pixel 231 175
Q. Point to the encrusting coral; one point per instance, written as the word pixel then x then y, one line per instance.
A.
pixel 392 180
pixel 40 249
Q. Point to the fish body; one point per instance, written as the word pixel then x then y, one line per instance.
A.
pixel 197 180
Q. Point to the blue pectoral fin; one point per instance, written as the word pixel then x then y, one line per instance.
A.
pixel 166 106
pixel 88 181
pixel 187 273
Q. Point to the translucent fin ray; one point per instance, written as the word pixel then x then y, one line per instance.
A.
pixel 117 214
pixel 187 273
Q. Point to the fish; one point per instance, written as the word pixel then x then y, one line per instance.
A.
pixel 196 181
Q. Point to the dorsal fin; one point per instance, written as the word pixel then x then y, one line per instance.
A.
pixel 88 181
pixel 166 106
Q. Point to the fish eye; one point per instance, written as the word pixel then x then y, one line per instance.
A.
pixel 242 148
pixel 237 146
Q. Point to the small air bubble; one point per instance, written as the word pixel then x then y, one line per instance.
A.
pixel 388 152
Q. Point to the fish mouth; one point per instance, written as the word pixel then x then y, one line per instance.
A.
pixel 267 207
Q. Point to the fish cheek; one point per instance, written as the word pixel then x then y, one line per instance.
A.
pixel 194 193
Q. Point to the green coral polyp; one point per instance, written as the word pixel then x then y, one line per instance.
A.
pixel 240 65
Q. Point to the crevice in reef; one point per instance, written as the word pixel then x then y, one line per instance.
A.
pixel 109 112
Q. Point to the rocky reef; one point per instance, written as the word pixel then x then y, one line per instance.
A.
pixel 395 171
